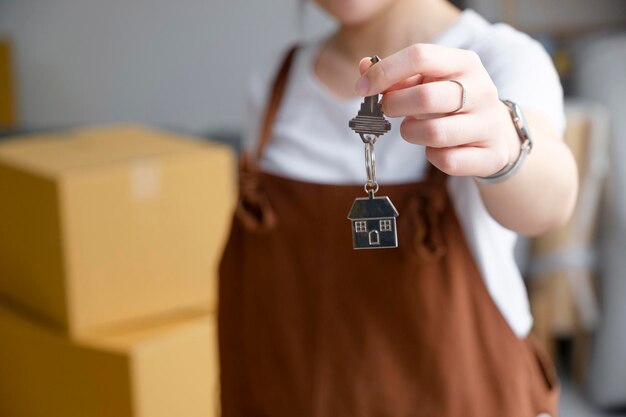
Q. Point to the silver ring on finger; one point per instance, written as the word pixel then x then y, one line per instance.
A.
pixel 463 96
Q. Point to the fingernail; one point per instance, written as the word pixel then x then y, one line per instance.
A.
pixel 362 86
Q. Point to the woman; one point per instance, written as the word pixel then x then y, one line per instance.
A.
pixel 439 326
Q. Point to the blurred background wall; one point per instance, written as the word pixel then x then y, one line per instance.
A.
pixel 181 64
pixel 553 15
pixel 184 64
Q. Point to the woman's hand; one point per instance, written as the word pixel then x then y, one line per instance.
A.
pixel 476 140
pixel 479 139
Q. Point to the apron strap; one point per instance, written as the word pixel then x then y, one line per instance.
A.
pixel 277 92
pixel 253 208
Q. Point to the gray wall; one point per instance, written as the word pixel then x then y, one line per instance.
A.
pixel 553 16
pixel 181 64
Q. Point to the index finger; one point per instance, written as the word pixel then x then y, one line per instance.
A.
pixel 425 59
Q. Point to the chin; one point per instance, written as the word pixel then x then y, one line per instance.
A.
pixel 353 12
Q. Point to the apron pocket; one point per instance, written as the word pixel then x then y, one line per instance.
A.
pixel 253 210
pixel 423 223
pixel 256 214
pixel 547 393
pixel 544 364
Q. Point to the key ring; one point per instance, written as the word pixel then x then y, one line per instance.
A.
pixel 370 163
pixel 370 167
pixel 371 189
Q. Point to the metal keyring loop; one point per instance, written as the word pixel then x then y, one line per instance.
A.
pixel 370 163
pixel 371 188
pixel 368 138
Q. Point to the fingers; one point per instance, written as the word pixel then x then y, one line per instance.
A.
pixel 443 132
pixel 409 82
pixel 427 83
pixel 439 97
pixel 364 64
pixel 426 59
pixel 467 160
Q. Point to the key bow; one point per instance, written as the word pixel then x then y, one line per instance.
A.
pixel 370 122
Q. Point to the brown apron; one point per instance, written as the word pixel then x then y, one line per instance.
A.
pixel 310 327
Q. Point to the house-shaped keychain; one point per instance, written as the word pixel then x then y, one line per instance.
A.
pixel 373 223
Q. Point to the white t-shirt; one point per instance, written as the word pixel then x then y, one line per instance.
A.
pixel 311 140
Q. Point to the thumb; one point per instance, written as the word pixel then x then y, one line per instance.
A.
pixel 364 64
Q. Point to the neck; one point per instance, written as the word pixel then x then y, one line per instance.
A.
pixel 402 24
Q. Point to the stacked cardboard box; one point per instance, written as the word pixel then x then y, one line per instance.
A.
pixel 109 244
pixel 163 370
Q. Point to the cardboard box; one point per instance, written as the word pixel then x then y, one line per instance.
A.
pixel 104 226
pixel 164 370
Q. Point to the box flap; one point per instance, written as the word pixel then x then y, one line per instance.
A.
pixel 94 147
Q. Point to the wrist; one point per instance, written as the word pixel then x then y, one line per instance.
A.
pixel 510 136
pixel 524 146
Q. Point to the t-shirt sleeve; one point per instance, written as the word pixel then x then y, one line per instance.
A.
pixel 523 72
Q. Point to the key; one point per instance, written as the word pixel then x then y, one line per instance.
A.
pixel 370 122
pixel 373 219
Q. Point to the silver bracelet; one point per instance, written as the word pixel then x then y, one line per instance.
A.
pixel 526 141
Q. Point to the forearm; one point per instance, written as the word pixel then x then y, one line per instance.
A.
pixel 542 194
